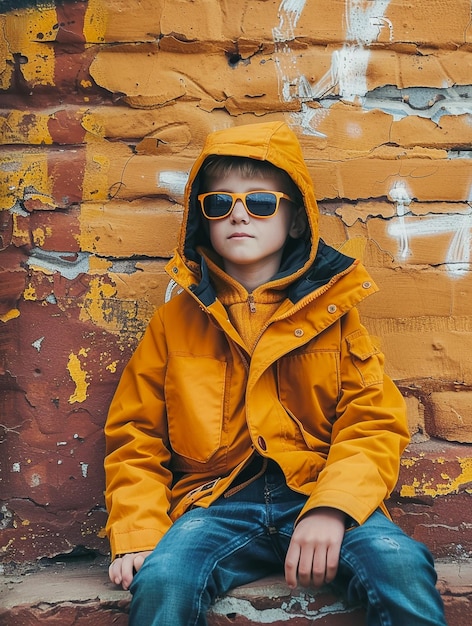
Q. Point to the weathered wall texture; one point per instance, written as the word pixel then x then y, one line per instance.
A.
pixel 104 106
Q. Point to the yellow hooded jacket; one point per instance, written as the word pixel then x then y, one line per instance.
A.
pixel 192 406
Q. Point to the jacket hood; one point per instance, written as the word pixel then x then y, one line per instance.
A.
pixel 276 143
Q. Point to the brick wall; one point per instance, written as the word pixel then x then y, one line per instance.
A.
pixel 104 106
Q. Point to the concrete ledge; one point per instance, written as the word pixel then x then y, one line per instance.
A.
pixel 79 594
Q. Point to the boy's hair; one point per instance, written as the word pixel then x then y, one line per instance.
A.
pixel 217 166
pixel 221 166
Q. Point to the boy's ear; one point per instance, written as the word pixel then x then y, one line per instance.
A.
pixel 298 226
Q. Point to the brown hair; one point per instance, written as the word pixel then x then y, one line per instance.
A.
pixel 220 166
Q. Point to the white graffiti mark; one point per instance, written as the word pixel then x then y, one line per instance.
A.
pixel 174 181
pixel 458 256
pixel 401 196
pixel 289 14
pixel 348 72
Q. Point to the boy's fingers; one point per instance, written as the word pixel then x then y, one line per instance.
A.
pixel 127 573
pixel 291 565
pixel 139 559
pixel 332 563
pixel 114 571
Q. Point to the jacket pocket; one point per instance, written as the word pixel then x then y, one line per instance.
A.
pixel 194 391
pixel 309 387
pixel 367 358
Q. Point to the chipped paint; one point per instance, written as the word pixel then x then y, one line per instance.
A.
pixel 112 366
pixel 40 234
pixel 67 264
pixel 79 376
pixel 37 57
pixel 30 293
pixel 230 605
pixel 429 486
pixel 37 344
pixel 96 304
pixel 10 315
pixel 95 21
pixel 84 468
pixel 23 173
pixel 26 127
pixel 95 184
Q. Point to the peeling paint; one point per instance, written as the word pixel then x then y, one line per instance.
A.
pixel 37 344
pixel 37 66
pixel 430 487
pixel 95 21
pixel 30 293
pixel 40 234
pixel 84 469
pixel 79 376
pixel 95 185
pixel 286 612
pixel 112 367
pixel 96 305
pixel 10 315
pixel 67 264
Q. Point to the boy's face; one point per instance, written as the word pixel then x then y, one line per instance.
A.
pixel 251 247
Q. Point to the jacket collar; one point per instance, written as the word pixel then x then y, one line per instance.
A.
pixel 328 263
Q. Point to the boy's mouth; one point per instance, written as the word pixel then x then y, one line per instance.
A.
pixel 239 235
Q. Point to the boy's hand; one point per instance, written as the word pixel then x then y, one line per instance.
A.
pixel 313 553
pixel 123 568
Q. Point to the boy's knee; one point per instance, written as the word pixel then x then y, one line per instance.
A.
pixel 162 571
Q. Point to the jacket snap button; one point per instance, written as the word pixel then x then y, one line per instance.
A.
pixel 332 308
pixel 262 443
pixel 299 332
pixel 175 270
pixel 367 284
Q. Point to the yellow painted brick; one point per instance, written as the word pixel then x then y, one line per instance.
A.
pixel 452 416
pixel 138 228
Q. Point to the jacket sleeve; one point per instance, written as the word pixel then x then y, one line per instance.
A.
pixel 369 434
pixel 138 478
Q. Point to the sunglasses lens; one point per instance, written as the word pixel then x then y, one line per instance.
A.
pixel 262 204
pixel 217 205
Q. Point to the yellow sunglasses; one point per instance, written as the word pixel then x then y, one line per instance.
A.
pixel 216 205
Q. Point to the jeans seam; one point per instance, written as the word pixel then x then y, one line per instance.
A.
pixel 215 565
pixel 359 571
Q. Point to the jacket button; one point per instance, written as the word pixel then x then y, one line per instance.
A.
pixel 332 308
pixel 175 270
pixel 262 443
pixel 367 284
pixel 298 332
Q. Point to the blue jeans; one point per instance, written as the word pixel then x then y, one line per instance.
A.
pixel 245 537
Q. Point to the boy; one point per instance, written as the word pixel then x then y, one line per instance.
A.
pixel 254 429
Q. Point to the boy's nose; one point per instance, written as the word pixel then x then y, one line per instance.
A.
pixel 239 212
